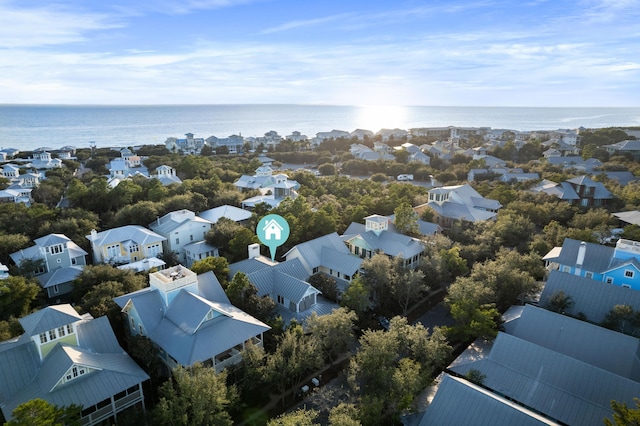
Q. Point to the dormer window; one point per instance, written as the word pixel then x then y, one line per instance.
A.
pixel 56 249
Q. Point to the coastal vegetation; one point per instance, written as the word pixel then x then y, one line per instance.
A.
pixel 479 269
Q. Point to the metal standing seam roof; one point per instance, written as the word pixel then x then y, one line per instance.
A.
pixel 270 282
pixel 174 220
pixel 597 256
pixel 135 233
pixel 593 298
pixel 147 303
pixel 556 385
pixel 59 276
pixel 52 239
pixel 213 337
pixel 230 212
pixel 48 318
pixel 328 251
pixel 632 217
pixel 459 402
pixel 580 340
pixel 25 378
pixel 389 242
pixel 246 266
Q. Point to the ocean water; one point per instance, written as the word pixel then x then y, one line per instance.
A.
pixel 28 127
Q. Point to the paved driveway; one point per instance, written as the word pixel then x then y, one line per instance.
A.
pixel 438 316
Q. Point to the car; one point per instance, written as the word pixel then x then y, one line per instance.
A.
pixel 405 177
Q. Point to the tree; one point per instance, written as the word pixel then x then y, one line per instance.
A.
pixel 237 248
pixel 356 296
pixel 559 302
pixel 299 417
pixel 11 243
pixel 244 295
pixel 406 220
pixel 333 332
pixel 624 319
pixel 17 294
pixel 390 368
pixel 93 275
pixel 344 415
pixel 195 396
pixel 38 412
pixel 296 355
pixel 623 415
pixel 408 286
pixel 379 274
pixel 99 300
pixel 327 169
pixel 218 265
pixel 326 284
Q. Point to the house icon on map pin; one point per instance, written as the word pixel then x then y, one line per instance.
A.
pixel 272 229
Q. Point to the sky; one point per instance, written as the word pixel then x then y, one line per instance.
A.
pixel 329 52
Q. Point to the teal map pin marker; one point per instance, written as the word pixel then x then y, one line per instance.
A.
pixel 273 230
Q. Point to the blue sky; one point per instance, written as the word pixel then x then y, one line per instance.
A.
pixel 348 52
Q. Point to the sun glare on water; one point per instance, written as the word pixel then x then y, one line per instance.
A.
pixel 375 118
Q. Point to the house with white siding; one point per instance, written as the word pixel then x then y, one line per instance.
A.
pixel 180 228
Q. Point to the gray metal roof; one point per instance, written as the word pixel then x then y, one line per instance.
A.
pixel 581 340
pixel 590 297
pixel 561 387
pixel 328 251
pixel 459 402
pixel 389 242
pixel 230 212
pixel 596 259
pixel 181 332
pixel 24 377
pixel 213 337
pixel 59 276
pixel 48 318
pixel 247 266
pixel 51 239
pixel 174 220
pixel 136 233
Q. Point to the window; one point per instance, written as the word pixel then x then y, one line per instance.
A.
pixel 177 240
pixel 588 274
pixel 140 329
pixel 59 260
pixel 113 250
pixel 74 261
pixel 43 338
pixel 55 287
pixel 315 270
pixel 69 329
pixel 280 300
pixel 52 335
pixel 566 269
pixel 609 280
pixel 61 331
pixel 191 237
pixel 626 286
pixel 628 273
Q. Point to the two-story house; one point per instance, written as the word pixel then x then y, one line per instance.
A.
pixel 460 202
pixel 190 319
pixel 180 228
pixel 125 244
pixel 58 261
pixel 285 282
pixel 618 266
pixel 328 255
pixel 377 236
pixel 64 358
pixel 579 191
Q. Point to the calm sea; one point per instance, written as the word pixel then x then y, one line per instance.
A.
pixel 28 127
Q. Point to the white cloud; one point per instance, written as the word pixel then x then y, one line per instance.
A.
pixel 48 25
